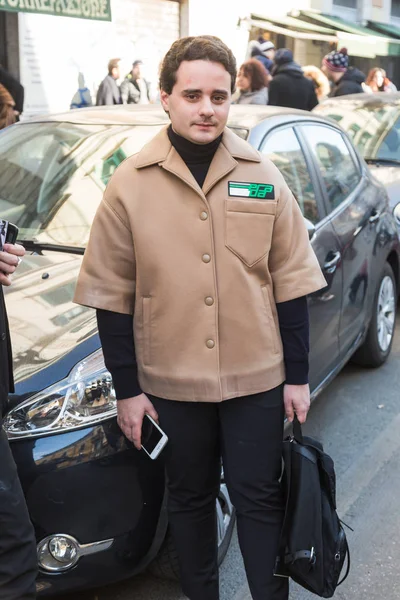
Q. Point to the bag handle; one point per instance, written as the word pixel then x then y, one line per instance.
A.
pixel 297 431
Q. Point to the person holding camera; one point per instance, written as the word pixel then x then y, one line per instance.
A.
pixel 18 559
pixel 202 314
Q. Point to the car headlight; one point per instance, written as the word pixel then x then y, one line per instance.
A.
pixel 85 397
pixel 396 213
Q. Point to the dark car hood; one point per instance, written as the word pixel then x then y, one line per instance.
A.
pixel 49 333
pixel 389 176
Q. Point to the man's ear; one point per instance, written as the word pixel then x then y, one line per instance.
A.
pixel 164 97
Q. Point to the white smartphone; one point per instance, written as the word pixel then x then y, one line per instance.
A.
pixel 153 437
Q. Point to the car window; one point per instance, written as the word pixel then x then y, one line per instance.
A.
pixel 53 175
pixel 283 148
pixel 372 123
pixel 339 173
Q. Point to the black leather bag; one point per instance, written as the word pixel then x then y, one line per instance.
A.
pixel 313 545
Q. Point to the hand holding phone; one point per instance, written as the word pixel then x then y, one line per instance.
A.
pixel 131 413
pixel 153 437
pixel 10 259
pixel 8 233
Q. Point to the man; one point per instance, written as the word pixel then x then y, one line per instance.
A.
pixel 345 79
pixel 18 561
pixel 108 92
pixel 289 86
pixel 264 51
pixel 135 89
pixel 206 239
pixel 14 87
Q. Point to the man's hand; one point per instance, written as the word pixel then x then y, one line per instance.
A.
pixel 9 261
pixel 297 401
pixel 130 416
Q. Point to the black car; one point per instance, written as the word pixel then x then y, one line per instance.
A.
pixel 372 121
pixel 98 505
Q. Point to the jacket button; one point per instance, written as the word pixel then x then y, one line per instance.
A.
pixel 209 301
pixel 3 336
pixel 210 344
pixel 204 215
pixel 206 258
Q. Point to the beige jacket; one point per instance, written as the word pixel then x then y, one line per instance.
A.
pixel 200 269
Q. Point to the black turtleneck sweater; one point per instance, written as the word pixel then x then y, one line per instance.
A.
pixel 116 329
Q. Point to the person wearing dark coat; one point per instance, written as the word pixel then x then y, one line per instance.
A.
pixel 109 92
pixel 289 86
pixel 14 87
pixel 345 80
pixel 18 558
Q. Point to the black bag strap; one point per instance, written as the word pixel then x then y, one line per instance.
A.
pixel 348 565
pixel 297 431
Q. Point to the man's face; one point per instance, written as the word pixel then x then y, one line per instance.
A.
pixel 115 72
pixel 199 103
pixel 136 72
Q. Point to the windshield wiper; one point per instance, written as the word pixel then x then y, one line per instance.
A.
pixel 386 161
pixel 39 246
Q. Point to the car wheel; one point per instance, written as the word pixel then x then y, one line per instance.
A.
pixel 166 565
pixel 378 343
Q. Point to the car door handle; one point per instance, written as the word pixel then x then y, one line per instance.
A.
pixel 332 263
pixel 376 215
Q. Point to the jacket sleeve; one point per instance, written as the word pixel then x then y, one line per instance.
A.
pixel 100 95
pixel 294 268
pixel 313 100
pixel 108 272
pixel 124 89
pixel 273 93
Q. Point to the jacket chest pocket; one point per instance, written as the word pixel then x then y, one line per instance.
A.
pixel 248 228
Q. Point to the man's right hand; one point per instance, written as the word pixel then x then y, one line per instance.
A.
pixel 130 416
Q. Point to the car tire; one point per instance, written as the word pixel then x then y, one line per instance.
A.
pixel 378 342
pixel 166 565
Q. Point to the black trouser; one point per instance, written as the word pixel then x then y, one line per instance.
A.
pixel 18 558
pixel 247 432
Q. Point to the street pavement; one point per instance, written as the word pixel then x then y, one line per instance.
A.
pixel 358 420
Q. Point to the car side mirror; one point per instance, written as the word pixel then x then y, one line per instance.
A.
pixel 310 228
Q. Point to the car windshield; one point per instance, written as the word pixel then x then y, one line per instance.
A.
pixel 53 175
pixel 373 125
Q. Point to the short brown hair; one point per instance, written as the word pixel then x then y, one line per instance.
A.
pixel 112 64
pixel 255 71
pixel 202 47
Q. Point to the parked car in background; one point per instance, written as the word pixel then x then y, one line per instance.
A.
pixel 373 123
pixel 96 503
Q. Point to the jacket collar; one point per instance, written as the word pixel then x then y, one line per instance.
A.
pixel 160 151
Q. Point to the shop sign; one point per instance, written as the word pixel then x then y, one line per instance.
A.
pixel 99 10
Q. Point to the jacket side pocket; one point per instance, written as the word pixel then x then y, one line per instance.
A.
pixel 271 318
pixel 146 316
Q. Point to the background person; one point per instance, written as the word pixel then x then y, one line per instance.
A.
pixel 82 97
pixel 345 79
pixel 8 114
pixel 264 52
pixel 320 81
pixel 109 92
pixel 135 89
pixel 18 558
pixel 14 87
pixel 289 86
pixel 252 83
pixel 209 361
pixel 377 81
